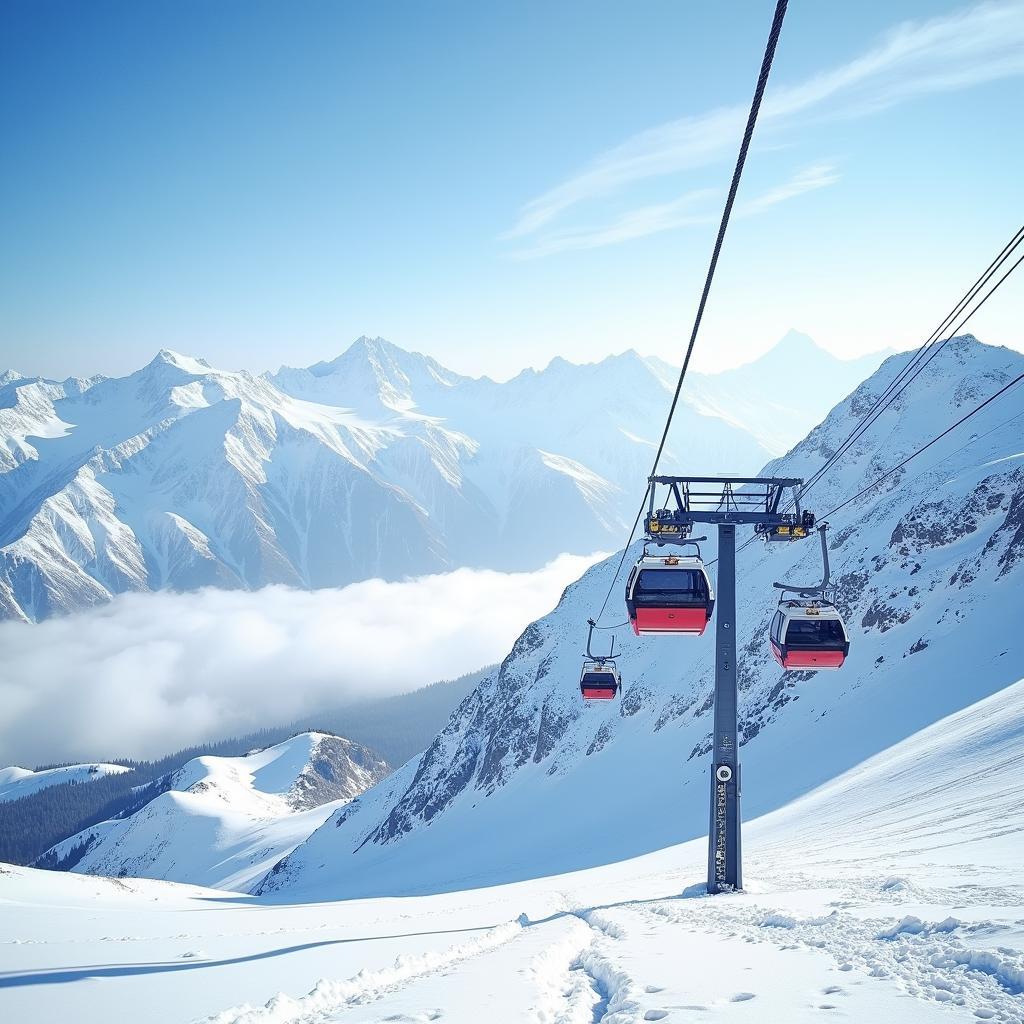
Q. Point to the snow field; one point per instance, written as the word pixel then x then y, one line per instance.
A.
pixel 330 997
pixel 728 958
pixel 796 947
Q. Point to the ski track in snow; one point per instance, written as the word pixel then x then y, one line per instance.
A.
pixel 329 997
pixel 926 960
pixel 593 965
pixel 798 945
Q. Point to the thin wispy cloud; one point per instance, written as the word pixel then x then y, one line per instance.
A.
pixel 976 44
pixel 688 209
pixel 810 178
pixel 680 145
pixel 694 208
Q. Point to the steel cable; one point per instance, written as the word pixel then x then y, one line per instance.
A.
pixel 748 132
pixel 915 366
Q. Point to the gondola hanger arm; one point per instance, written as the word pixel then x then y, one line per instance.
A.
pixel 812 590
pixel 590 654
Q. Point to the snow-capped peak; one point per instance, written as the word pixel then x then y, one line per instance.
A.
pixel 793 342
pixel 190 364
pixel 225 820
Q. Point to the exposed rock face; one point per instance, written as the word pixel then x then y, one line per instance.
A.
pixel 338 769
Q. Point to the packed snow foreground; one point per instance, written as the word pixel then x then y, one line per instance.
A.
pixel 544 860
pixel 893 893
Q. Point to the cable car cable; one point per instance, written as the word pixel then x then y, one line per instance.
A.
pixel 755 107
pixel 973 440
pixel 907 375
pixel 925 447
pixel 622 560
pixel 959 326
pixel 948 429
pixel 978 437
pixel 964 447
pixel 887 397
pixel 751 540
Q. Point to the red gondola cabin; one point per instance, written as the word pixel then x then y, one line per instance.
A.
pixel 809 636
pixel 600 680
pixel 669 594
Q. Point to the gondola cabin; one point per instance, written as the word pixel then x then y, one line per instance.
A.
pixel 809 636
pixel 669 594
pixel 600 680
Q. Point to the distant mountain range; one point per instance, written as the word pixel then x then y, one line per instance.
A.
pixel 41 808
pixel 378 463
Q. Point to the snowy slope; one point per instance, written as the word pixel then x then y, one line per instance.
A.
pixel 18 782
pixel 378 463
pixel 929 575
pixel 892 893
pixel 224 821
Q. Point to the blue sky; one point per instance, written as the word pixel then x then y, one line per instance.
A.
pixel 495 183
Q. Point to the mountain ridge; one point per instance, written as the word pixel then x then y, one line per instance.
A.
pixel 379 463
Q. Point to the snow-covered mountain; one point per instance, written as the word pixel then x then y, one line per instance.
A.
pixel 525 780
pixel 379 463
pixel 224 821
pixel 17 782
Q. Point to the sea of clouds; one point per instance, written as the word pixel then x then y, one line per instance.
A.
pixel 150 673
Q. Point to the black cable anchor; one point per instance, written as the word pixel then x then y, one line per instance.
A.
pixel 598 657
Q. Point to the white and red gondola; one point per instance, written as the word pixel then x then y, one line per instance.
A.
pixel 807 631
pixel 669 594
pixel 600 678
pixel 809 635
